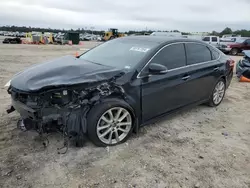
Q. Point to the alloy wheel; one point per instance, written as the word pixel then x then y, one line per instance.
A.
pixel 114 125
pixel 219 92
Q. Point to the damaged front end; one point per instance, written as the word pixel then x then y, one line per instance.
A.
pixel 62 109
pixel 243 66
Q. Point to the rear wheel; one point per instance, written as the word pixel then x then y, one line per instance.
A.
pixel 234 51
pixel 218 93
pixel 110 123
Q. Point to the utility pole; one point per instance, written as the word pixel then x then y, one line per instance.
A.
pixel 92 29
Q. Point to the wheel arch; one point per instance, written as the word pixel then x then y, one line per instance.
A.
pixel 224 78
pixel 237 48
pixel 118 98
pixel 221 77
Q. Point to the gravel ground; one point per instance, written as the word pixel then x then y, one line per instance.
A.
pixel 200 147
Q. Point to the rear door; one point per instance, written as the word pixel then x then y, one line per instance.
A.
pixel 215 41
pixel 207 40
pixel 204 70
pixel 163 93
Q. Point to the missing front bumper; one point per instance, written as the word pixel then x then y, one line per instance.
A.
pixel 24 110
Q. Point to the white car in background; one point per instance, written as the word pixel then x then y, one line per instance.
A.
pixel 166 34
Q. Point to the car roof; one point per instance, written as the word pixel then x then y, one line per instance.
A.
pixel 160 39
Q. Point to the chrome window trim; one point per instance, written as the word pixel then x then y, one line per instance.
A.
pixel 201 63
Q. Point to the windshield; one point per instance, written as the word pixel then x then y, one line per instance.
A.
pixel 119 53
pixel 240 40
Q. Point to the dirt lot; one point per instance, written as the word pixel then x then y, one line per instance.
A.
pixel 201 147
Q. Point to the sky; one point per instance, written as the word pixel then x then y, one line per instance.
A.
pixel 183 15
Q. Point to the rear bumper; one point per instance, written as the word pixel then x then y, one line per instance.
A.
pixel 229 79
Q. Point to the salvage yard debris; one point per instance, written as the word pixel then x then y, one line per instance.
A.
pixel 243 67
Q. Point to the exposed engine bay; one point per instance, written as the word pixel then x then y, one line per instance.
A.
pixel 243 66
pixel 62 109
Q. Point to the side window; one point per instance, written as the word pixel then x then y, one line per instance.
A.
pixel 214 39
pixel 197 53
pixel 207 39
pixel 215 54
pixel 172 56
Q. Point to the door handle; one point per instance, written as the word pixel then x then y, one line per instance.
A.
pixel 185 77
pixel 216 69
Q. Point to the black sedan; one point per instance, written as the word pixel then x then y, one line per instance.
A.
pixel 118 86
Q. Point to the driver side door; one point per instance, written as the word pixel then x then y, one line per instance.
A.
pixel 165 92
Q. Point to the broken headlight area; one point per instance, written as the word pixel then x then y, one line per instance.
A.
pixel 62 110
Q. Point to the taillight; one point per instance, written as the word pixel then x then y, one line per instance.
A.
pixel 231 62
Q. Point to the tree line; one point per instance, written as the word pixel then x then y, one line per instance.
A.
pixel 227 30
pixel 242 32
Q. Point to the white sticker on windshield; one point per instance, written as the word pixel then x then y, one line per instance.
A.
pixel 139 49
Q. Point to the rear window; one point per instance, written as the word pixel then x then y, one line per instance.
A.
pixel 215 54
pixel 197 53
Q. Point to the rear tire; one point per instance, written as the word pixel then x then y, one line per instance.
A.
pixel 218 93
pixel 116 132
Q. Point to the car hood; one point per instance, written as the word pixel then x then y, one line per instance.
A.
pixel 63 71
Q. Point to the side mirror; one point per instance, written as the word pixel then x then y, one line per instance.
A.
pixel 245 43
pixel 155 68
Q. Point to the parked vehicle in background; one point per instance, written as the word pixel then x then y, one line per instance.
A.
pixel 99 38
pixel 212 40
pixel 196 37
pixel 93 94
pixel 112 33
pixel 88 37
pixel 166 34
pixel 58 38
pixel 21 34
pixel 243 66
pixel 237 47
pixel 230 35
pixel 12 41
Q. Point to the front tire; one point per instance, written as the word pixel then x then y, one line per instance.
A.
pixel 218 93
pixel 110 123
